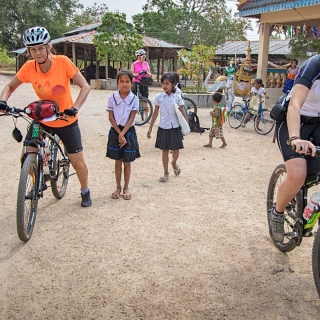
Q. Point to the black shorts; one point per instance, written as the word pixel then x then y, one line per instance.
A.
pixel 69 135
pixel 143 89
pixel 307 130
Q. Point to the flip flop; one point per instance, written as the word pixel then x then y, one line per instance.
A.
pixel 164 178
pixel 116 194
pixel 127 195
pixel 176 169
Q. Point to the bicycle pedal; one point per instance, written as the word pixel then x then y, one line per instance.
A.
pixel 64 162
pixel 44 186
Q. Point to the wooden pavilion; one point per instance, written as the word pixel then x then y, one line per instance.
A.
pixel 304 15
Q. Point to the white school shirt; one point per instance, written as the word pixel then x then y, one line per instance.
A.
pixel 260 92
pixel 178 90
pixel 168 117
pixel 122 107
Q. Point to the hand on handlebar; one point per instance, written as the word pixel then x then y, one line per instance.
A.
pixel 3 106
pixel 303 147
pixel 70 112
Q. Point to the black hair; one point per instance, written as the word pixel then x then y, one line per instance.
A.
pixel 169 76
pixel 124 72
pixel 259 81
pixel 295 61
pixel 217 97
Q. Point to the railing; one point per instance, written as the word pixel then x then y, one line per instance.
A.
pixel 275 78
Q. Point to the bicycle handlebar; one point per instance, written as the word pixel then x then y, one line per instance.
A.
pixel 309 152
pixel 20 112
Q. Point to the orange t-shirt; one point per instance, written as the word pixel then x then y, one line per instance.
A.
pixel 53 85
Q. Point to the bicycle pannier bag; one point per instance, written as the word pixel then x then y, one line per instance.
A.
pixel 42 109
pixel 279 112
pixel 146 81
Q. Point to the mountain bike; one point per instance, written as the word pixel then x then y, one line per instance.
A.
pixel 49 164
pixel 263 124
pixel 296 227
pixel 145 111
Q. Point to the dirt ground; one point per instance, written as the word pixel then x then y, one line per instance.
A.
pixel 196 247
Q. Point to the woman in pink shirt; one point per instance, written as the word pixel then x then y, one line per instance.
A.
pixel 140 68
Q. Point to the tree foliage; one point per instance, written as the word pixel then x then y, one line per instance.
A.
pixel 18 15
pixel 117 39
pixel 196 61
pixel 301 45
pixel 89 15
pixel 191 22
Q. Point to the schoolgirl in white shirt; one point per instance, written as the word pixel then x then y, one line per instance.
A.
pixel 169 136
pixel 123 144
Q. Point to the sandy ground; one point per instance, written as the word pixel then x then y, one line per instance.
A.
pixel 196 247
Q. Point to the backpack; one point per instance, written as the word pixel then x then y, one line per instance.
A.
pixel 279 112
pixel 219 113
pixel 194 123
pixel 223 114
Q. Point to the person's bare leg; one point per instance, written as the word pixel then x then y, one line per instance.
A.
pixel 117 174
pixel 175 157
pixel 296 175
pixel 209 145
pixel 224 144
pixel 165 163
pixel 127 174
pixel 79 165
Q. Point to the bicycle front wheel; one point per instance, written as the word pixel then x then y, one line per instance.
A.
pixel 60 165
pixel 27 200
pixel 263 124
pixel 190 105
pixel 316 261
pixel 145 111
pixel 236 116
pixel 292 212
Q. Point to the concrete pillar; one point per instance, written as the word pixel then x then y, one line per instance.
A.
pixel 263 53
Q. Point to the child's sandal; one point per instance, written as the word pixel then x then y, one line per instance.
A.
pixel 164 178
pixel 176 169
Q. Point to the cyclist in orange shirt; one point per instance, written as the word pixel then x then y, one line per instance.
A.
pixel 50 77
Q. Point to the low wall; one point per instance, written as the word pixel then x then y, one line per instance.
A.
pixel 103 84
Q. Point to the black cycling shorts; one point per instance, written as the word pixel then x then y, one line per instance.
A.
pixel 307 130
pixel 143 89
pixel 69 135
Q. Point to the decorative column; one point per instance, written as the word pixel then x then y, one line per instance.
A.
pixel 263 53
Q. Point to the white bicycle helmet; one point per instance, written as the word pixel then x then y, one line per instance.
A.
pixel 35 36
pixel 140 52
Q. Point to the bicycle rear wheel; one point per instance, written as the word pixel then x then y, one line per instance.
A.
pixel 293 210
pixel 145 111
pixel 60 165
pixel 316 261
pixel 263 124
pixel 190 105
pixel 27 200
pixel 236 116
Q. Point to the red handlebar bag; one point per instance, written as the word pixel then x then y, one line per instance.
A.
pixel 39 110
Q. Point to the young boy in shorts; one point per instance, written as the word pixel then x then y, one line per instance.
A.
pixel 217 121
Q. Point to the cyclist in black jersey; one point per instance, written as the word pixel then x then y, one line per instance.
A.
pixel 302 122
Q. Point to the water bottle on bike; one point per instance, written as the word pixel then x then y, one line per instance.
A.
pixel 312 206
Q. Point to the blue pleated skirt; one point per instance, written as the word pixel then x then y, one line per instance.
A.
pixel 169 139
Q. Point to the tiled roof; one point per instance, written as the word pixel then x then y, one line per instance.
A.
pixel 257 7
pixel 276 47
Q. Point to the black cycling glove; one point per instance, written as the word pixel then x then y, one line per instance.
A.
pixel 143 72
pixel 3 105
pixel 70 112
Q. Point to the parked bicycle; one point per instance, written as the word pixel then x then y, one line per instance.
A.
pixel 296 227
pixel 145 111
pixel 49 164
pixel 263 124
pixel 189 105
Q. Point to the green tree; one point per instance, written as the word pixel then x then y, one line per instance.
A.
pixel 18 15
pixel 89 15
pixel 196 62
pixel 301 45
pixel 191 22
pixel 117 39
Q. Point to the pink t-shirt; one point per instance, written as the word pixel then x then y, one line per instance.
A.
pixel 137 67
